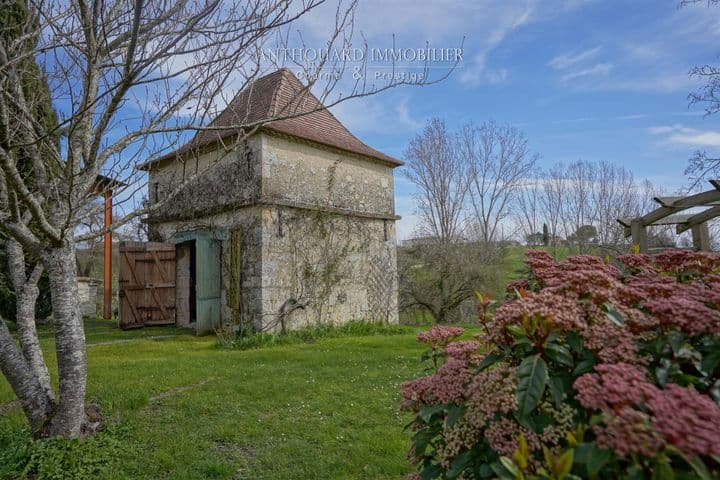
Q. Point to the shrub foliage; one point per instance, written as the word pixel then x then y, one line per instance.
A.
pixel 590 371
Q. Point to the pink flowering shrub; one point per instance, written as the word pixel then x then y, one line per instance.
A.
pixel 591 370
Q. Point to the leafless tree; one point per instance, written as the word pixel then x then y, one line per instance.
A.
pixel 437 170
pixel 579 209
pixel 614 195
pixel 704 164
pixel 129 80
pixel 529 205
pixel 553 199
pixel 498 160
pixel 439 277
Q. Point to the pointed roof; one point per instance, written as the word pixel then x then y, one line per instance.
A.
pixel 281 95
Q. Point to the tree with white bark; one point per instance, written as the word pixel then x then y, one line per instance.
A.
pixel 129 80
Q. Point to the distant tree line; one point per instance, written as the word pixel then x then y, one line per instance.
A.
pixel 479 189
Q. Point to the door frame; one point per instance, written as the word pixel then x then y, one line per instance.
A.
pixel 208 276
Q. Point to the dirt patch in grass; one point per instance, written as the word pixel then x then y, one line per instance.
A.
pixel 177 390
pixel 9 407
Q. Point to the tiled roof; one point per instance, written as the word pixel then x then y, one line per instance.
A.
pixel 281 95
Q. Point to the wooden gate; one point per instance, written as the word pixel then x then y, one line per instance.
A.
pixel 147 284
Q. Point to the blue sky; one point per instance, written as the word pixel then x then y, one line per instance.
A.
pixel 593 80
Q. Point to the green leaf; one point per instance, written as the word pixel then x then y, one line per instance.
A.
pixel 515 330
pixel 662 470
pixel 574 341
pixel 458 465
pixel 421 440
pixel 454 414
pixel 510 466
pixel 431 471
pixel 490 360
pixel 557 390
pixel 710 363
pixel 695 462
pixel 532 378
pixel 583 366
pixel 563 465
pixel 597 459
pixel 559 354
pixel 426 413
pixel 502 472
pixel 613 315
pixel 700 468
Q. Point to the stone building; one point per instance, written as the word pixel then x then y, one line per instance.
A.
pixel 293 226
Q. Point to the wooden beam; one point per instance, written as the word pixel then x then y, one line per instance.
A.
pixel 664 220
pixel 639 234
pixel 670 201
pixel 658 214
pixel 698 218
pixel 697 200
pixel 701 237
pixel 107 281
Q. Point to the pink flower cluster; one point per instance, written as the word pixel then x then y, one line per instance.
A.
pixel 675 415
pixel 613 310
pixel 562 312
pixel 439 336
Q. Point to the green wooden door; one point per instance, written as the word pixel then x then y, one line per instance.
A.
pixel 208 277
pixel 209 283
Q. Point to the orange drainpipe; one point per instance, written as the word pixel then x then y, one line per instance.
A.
pixel 107 283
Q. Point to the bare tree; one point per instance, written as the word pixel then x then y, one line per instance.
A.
pixel 615 195
pixel 553 200
pixel 579 212
pixel 438 277
pixel 436 169
pixel 498 160
pixel 529 206
pixel 129 79
pixel 704 164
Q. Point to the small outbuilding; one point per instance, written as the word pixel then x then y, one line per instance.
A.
pixel 292 226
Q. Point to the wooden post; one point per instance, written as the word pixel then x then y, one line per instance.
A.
pixel 701 237
pixel 107 281
pixel 639 234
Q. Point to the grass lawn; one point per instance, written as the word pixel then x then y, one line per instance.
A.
pixel 191 410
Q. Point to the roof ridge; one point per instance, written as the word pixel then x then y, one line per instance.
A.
pixel 280 101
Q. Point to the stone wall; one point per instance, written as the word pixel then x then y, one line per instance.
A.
pixel 88 295
pixel 321 268
pixel 214 181
pixel 307 233
pixel 300 173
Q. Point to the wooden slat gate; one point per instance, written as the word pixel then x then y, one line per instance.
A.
pixel 147 284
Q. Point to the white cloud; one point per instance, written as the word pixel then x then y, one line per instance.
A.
pixel 485 24
pixel 601 69
pixel 561 62
pixel 680 135
pixel 635 116
pixel 378 115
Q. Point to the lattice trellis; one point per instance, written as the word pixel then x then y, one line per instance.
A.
pixel 380 287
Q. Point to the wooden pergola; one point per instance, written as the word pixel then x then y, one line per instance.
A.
pixel 668 213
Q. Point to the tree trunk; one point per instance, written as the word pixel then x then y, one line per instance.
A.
pixel 28 337
pixel 69 341
pixel 26 294
pixel 33 397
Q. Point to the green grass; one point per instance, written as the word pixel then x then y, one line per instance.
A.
pixel 181 408
pixel 310 335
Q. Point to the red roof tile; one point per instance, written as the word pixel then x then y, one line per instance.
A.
pixel 281 95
